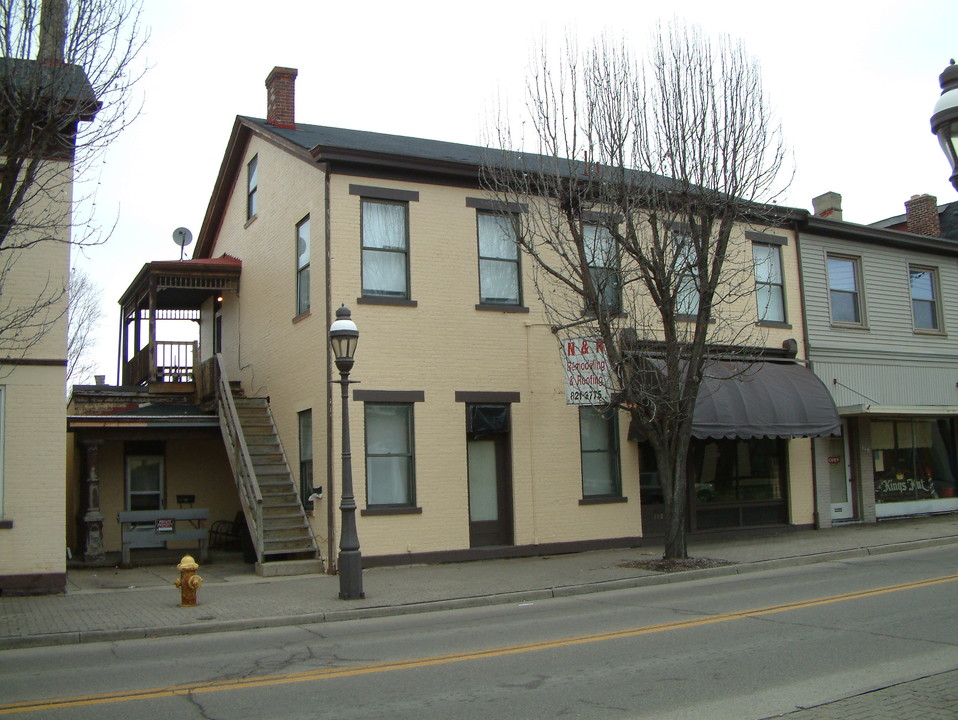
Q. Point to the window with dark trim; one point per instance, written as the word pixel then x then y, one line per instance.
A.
pixel 305 421
pixel 769 282
pixel 499 276
pixel 390 466
pixel 385 238
pixel 252 184
pixel 599 450
pixel 844 290
pixel 687 292
pixel 603 259
pixel 302 266
pixel 923 282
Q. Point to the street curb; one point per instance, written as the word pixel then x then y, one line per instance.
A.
pixel 77 637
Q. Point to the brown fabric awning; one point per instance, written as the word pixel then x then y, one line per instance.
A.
pixel 761 399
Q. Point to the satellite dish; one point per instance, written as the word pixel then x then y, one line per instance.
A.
pixel 182 237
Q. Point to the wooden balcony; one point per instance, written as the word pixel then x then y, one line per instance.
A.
pixel 162 361
pixel 170 291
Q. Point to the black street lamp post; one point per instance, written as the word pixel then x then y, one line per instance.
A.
pixel 343 337
pixel 944 120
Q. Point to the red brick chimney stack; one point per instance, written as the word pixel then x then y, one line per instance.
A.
pixel 281 97
pixel 921 214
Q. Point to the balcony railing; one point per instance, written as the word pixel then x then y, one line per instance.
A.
pixel 174 363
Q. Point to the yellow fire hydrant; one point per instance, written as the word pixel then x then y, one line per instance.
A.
pixel 188 582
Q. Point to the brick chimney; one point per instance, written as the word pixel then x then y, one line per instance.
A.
pixel 921 214
pixel 828 205
pixel 281 97
pixel 53 31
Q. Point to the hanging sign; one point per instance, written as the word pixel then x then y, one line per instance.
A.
pixel 587 375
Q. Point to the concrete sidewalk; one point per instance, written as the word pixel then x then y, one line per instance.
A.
pixel 113 604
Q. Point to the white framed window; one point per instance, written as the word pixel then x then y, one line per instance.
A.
pixel 252 185
pixel 599 452
pixel 390 468
pixel 385 238
pixel 144 482
pixel 603 258
pixel 499 276
pixel 844 290
pixel 302 266
pixel 769 282
pixel 925 308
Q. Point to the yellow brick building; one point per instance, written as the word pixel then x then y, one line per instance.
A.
pixel 463 442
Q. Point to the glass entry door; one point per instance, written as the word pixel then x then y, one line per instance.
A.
pixel 490 490
pixel 839 478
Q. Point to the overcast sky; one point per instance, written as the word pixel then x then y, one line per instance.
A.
pixel 853 84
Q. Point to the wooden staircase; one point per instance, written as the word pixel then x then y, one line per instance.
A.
pixel 286 532
pixel 281 534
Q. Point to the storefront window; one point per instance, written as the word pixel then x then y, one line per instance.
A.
pixel 914 459
pixel 736 470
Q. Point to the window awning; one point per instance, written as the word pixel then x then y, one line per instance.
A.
pixel 762 399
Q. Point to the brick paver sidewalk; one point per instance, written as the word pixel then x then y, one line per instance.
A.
pixel 929 698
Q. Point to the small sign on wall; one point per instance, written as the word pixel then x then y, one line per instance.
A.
pixel 834 459
pixel 164 525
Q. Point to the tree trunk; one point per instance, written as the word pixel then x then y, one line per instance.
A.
pixel 675 533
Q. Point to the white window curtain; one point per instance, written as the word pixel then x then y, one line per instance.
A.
pixel 498 260
pixel 384 249
pixel 388 454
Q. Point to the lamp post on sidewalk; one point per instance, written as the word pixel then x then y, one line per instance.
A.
pixel 343 338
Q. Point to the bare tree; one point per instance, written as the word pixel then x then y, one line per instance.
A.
pixel 66 74
pixel 644 174
pixel 84 311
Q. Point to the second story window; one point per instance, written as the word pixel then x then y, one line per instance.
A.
pixel 844 292
pixel 302 266
pixel 385 230
pixel 686 276
pixel 498 260
pixel 600 252
pixel 924 298
pixel 769 285
pixel 252 183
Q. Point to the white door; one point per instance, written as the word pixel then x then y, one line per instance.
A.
pixel 144 487
pixel 839 478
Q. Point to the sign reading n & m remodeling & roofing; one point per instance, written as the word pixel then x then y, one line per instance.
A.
pixel 586 366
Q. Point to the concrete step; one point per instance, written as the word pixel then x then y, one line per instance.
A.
pixel 280 568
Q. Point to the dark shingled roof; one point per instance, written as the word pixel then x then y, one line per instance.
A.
pixel 65 83
pixel 310 137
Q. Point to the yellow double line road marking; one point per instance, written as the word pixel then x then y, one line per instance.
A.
pixel 313 675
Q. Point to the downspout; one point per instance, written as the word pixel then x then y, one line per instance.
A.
pixel 801 289
pixel 330 476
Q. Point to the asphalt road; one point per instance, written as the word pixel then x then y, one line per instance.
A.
pixel 751 646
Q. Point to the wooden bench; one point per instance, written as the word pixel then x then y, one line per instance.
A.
pixel 181 524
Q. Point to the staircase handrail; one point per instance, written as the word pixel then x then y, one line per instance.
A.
pixel 239 457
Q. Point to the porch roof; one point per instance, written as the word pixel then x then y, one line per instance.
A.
pixel 181 284
pixel 150 415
